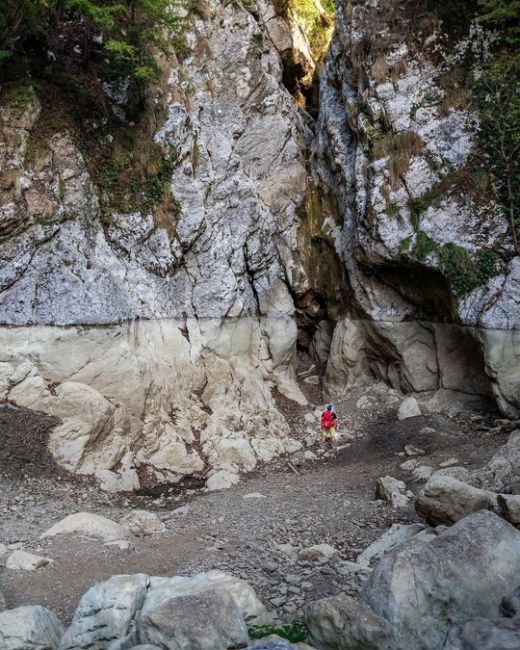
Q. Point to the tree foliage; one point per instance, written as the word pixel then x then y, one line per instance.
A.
pixel 497 100
pixel 122 34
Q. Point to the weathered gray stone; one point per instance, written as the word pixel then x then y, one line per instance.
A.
pixel 409 408
pixel 510 605
pixel 29 628
pixel 106 613
pixel 391 490
pixel 210 620
pixel 424 589
pixel 346 623
pixel 130 609
pixel 483 634
pixel 510 505
pixel 142 523
pixel 503 470
pixel 22 561
pixel 89 524
pixel 319 554
pixel 396 536
pixel 444 500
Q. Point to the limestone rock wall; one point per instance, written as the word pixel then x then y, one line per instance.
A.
pixel 158 347
pixel 389 147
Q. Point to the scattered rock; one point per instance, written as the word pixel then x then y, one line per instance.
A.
pixel 91 525
pixel 445 500
pixel 29 628
pixel 409 408
pixel 142 523
pixel 318 554
pixel 422 473
pixel 222 480
pixel 395 537
pixel 510 505
pixel 346 623
pixel 424 589
pixel 410 465
pixel 23 561
pixel 411 450
pixel 348 568
pixel 391 490
pixel 449 462
pixel 3 604
pixel 254 495
pixel 502 473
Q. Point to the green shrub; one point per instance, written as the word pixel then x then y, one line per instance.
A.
pixel 464 273
pixel 294 632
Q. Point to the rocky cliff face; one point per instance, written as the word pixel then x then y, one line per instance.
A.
pixel 158 347
pixel 431 264
pixel 159 342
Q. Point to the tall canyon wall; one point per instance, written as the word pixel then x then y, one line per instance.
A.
pixel 161 342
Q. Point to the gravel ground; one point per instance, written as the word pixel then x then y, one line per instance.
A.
pixel 246 529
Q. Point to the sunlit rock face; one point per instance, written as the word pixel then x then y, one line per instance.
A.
pixel 157 346
pixel 391 146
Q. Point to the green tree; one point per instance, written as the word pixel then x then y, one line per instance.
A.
pixel 131 32
pixel 497 100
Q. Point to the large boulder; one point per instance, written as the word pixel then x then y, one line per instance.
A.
pixel 395 536
pixel 409 408
pixel 510 506
pixel 482 634
pixel 129 610
pixel 29 628
pixel 445 500
pixel 422 590
pixel 91 525
pixel 502 473
pixel 210 620
pixel 341 622
pixel 392 490
pixel 106 613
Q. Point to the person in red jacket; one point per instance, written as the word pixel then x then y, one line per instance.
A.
pixel 329 428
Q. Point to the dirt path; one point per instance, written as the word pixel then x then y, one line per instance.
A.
pixel 296 503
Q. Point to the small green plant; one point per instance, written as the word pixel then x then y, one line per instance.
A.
pixel 424 246
pixel 463 272
pixel 294 632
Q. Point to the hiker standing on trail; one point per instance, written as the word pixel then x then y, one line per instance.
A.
pixel 329 428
